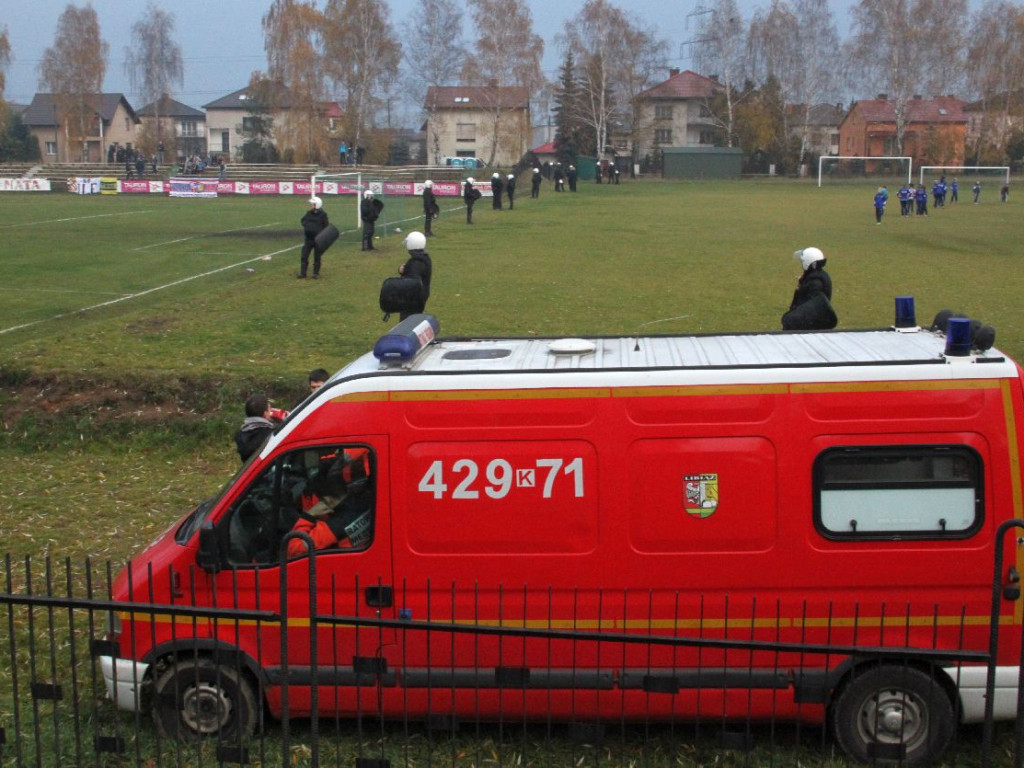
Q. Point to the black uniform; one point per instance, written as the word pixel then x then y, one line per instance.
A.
pixel 510 191
pixel 420 267
pixel 570 176
pixel 369 210
pixel 470 195
pixel 431 210
pixel 559 178
pixel 535 181
pixel 496 189
pixel 811 308
pixel 313 223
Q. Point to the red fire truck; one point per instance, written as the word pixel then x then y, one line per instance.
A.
pixel 836 489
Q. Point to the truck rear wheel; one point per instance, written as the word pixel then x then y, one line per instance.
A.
pixel 196 698
pixel 889 706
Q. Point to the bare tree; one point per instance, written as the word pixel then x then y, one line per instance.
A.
pixel 795 43
pixel 434 55
pixel 995 60
pixel 507 54
pixel 721 48
pixel 73 70
pixel 362 57
pixel 901 44
pixel 291 38
pixel 5 60
pixel 153 62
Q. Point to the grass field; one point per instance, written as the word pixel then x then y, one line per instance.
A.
pixel 132 328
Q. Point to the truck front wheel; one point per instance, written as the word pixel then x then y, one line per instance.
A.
pixel 194 698
pixel 891 706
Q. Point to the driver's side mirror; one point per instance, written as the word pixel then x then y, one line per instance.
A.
pixel 208 557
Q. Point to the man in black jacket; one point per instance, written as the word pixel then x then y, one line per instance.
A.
pixel 256 428
pixel 496 189
pixel 419 267
pixel 470 195
pixel 535 181
pixel 510 190
pixel 811 307
pixel 313 223
pixel 431 210
pixel 369 210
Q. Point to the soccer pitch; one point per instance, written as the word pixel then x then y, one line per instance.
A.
pixel 111 285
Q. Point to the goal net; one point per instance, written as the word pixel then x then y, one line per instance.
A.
pixel 398 189
pixel 967 174
pixel 881 170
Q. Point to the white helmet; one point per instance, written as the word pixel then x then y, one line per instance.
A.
pixel 495 175
pixel 511 175
pixel 536 170
pixel 316 202
pixel 469 180
pixel 367 195
pixel 415 241
pixel 428 183
pixel 809 256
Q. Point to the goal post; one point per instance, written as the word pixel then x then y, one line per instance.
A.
pixel 1002 172
pixel 863 166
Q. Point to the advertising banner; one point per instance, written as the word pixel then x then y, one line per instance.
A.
pixel 24 185
pixel 182 187
pixel 84 186
pixel 109 185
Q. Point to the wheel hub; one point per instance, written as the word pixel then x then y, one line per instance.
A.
pixel 205 709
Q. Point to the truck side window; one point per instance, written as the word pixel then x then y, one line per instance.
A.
pixel 326 493
pixel 898 492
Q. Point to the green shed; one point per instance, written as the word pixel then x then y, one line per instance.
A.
pixel 701 162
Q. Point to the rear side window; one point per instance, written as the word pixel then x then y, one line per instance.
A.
pixel 898 492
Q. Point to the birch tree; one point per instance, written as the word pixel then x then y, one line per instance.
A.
pixel 434 54
pixel 795 43
pixel 507 54
pixel 362 57
pixel 902 44
pixel 721 48
pixel 153 62
pixel 995 60
pixel 73 70
pixel 291 35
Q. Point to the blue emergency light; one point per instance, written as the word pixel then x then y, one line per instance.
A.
pixel 905 316
pixel 401 343
pixel 958 337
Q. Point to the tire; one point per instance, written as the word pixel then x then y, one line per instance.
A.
pixel 196 698
pixel 893 705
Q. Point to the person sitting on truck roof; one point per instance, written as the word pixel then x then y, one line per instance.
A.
pixel 339 510
pixel 811 308
pixel 256 428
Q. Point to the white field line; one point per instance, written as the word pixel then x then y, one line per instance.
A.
pixel 146 292
pixel 73 218
pixel 198 237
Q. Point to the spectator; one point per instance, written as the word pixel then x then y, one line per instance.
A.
pixel 256 428
pixel 317 378
pixel 976 190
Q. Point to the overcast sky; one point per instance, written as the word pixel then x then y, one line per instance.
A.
pixel 222 40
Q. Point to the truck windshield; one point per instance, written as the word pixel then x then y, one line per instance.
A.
pixel 198 516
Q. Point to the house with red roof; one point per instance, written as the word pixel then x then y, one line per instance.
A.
pixel 676 113
pixel 935 130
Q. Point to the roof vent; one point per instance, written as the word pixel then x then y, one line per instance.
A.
pixel 571 347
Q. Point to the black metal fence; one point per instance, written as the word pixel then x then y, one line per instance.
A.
pixel 499 679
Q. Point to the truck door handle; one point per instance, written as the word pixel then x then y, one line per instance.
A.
pixel 380 596
pixel 1011 589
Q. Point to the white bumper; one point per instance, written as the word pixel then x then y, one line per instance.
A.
pixel 124 679
pixel 970 681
